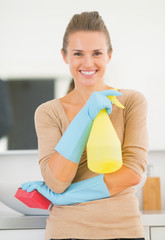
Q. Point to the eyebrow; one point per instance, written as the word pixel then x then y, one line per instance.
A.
pixel 76 50
pixel 96 50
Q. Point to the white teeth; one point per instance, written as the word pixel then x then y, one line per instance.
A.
pixel 88 73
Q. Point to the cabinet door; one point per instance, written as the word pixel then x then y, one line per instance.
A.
pixel 147 235
pixel 158 233
pixel 32 234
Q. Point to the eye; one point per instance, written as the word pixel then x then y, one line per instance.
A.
pixel 77 54
pixel 97 53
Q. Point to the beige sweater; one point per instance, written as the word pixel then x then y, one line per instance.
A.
pixel 114 217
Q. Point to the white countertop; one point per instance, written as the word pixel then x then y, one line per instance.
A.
pixel 10 219
pixel 15 221
pixel 19 152
pixel 153 218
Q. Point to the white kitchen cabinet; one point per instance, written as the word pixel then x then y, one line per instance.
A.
pixel 154 225
pixel 147 232
pixel 157 233
pixel 32 234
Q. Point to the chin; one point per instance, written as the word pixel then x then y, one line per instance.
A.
pixel 89 82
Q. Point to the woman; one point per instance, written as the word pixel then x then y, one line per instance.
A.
pixel 94 206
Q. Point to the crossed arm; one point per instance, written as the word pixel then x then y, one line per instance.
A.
pixel 64 170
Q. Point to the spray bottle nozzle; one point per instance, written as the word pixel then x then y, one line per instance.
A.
pixel 115 101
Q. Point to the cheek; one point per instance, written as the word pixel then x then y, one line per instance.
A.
pixel 73 67
pixel 73 63
pixel 103 62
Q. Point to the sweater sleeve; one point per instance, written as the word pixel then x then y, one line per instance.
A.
pixel 49 131
pixel 135 144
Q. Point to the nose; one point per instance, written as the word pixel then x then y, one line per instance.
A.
pixel 88 62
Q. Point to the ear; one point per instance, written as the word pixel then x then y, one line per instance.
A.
pixel 109 56
pixel 64 56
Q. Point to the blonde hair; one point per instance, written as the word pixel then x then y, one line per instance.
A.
pixel 86 21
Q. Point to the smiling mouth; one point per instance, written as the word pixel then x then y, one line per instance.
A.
pixel 88 73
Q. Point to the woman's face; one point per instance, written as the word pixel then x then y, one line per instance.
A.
pixel 87 57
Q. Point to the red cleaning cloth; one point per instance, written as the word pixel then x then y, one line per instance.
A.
pixel 32 199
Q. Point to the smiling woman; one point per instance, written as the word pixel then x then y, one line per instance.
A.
pixel 87 56
pixel 92 206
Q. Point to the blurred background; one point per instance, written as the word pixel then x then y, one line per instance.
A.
pixel 32 70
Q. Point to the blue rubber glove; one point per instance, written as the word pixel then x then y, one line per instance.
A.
pixel 73 141
pixel 84 191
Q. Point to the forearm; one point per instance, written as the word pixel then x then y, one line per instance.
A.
pixel 83 191
pixel 69 149
pixel 62 169
pixel 121 180
pixel 95 188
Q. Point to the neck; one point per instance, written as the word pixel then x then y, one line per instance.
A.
pixel 82 93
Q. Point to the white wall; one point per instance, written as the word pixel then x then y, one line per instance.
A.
pixel 31 39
